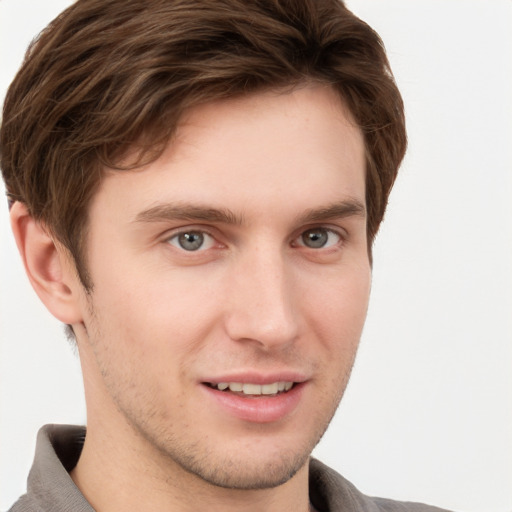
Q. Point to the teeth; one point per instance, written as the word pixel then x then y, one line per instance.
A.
pixel 270 389
pixel 251 389
pixel 255 389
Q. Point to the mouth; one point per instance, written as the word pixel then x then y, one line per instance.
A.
pixel 258 399
pixel 252 390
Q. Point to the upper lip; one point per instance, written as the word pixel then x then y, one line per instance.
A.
pixel 255 377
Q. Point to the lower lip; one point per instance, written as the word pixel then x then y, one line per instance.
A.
pixel 261 409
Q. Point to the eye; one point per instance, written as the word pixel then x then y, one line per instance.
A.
pixel 318 238
pixel 192 240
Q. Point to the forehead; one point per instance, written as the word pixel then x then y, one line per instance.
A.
pixel 258 151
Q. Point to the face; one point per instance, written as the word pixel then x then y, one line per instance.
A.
pixel 230 286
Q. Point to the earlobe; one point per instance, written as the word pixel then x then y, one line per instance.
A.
pixel 48 266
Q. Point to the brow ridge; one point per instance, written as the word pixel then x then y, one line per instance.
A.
pixel 192 212
pixel 189 212
pixel 338 210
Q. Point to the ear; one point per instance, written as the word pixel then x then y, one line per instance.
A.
pixel 48 265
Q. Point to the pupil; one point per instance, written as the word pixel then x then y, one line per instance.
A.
pixel 315 238
pixel 191 241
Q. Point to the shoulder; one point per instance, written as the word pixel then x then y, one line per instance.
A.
pixel 25 504
pixel 49 485
pixel 385 505
pixel 330 492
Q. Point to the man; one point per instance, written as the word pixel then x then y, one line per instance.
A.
pixel 194 188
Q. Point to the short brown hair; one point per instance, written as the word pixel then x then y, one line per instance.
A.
pixel 110 75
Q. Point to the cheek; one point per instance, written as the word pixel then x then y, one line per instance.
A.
pixel 344 315
pixel 156 316
pixel 338 308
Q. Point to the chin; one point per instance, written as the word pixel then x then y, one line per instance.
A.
pixel 249 474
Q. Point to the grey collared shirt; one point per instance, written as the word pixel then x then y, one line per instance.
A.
pixel 51 489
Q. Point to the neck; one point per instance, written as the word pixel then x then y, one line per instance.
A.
pixel 118 470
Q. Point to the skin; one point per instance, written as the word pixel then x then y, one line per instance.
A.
pixel 254 301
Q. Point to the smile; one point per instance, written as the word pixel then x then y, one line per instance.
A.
pixel 273 388
pixel 255 402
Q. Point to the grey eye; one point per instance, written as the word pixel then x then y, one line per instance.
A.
pixel 192 240
pixel 315 238
pixel 318 238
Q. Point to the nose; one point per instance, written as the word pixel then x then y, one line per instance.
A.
pixel 261 305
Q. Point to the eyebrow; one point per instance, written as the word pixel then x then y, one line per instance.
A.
pixel 188 212
pixel 191 212
pixel 339 210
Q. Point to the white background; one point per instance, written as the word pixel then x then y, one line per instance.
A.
pixel 428 413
